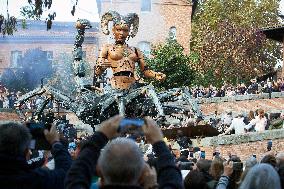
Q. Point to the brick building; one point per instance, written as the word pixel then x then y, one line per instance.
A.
pixel 158 20
pixel 58 40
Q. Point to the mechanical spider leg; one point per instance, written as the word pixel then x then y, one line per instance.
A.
pixel 195 107
pixel 29 95
pixel 153 95
pixel 41 107
pixel 121 106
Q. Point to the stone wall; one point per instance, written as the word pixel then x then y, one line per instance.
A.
pixel 242 103
pixel 239 98
pixel 8 115
pixel 243 145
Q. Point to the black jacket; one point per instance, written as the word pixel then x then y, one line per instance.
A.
pixel 15 172
pixel 84 168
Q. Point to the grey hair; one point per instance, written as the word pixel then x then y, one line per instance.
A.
pixel 250 162
pixel 121 162
pixel 14 138
pixel 261 176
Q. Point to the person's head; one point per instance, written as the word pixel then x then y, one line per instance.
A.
pixel 282 115
pixel 121 162
pixel 216 168
pixel 251 115
pixel 281 175
pixel 229 112
pixel 123 26
pixel 240 115
pixel 250 162
pixel 203 165
pixel 261 176
pixel 179 133
pixel 195 180
pixel 269 159
pixel 237 172
pixel 14 139
pixel 260 113
pixel 280 159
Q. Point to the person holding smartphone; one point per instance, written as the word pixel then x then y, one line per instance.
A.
pixel 15 171
pixel 119 163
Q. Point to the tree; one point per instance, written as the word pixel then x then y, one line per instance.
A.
pixel 170 59
pixel 8 24
pixel 226 36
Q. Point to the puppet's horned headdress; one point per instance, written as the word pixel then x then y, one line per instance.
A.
pixel 131 19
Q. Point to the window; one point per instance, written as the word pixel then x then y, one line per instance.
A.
pixel 145 47
pixel 145 5
pixel 173 33
pixel 16 57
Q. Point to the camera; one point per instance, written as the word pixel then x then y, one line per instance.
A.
pixel 237 166
pixel 127 124
pixel 39 141
pixel 186 165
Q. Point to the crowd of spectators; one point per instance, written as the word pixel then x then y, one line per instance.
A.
pixel 8 98
pixel 241 89
pixel 227 123
pixel 110 159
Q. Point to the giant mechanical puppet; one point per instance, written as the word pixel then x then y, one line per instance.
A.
pixel 124 95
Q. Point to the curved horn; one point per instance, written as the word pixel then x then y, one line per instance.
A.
pixel 109 16
pixel 133 20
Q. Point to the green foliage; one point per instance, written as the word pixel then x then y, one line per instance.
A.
pixel 8 25
pixel 226 37
pixel 170 59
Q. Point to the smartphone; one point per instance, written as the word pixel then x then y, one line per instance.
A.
pixel 254 155
pixel 126 124
pixel 237 166
pixel 191 154
pixel 186 165
pixel 39 141
pixel 202 154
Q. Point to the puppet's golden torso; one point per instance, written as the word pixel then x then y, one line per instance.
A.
pixel 122 59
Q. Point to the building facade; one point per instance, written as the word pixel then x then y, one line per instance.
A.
pixel 159 20
pixel 54 43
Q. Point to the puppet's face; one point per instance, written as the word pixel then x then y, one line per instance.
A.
pixel 121 32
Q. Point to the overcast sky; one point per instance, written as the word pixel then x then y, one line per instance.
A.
pixel 85 9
